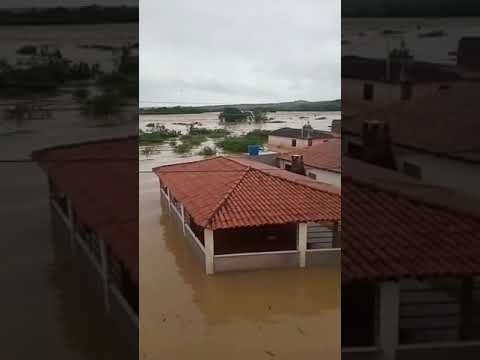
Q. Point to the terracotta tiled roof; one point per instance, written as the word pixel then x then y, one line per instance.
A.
pixel 391 231
pixel 325 155
pixel 444 124
pixel 221 193
pixel 101 179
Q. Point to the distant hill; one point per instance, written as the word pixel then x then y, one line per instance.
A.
pixel 298 105
pixel 410 8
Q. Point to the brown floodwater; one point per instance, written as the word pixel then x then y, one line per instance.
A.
pixel 185 314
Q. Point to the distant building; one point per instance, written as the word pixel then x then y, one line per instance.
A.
pixel 321 162
pixel 397 78
pixel 100 215
pixel 289 138
pixel 433 139
pixel 239 214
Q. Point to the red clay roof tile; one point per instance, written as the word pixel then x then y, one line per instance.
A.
pixel 221 193
pixel 101 179
pixel 325 155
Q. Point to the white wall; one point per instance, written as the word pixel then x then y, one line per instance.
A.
pixel 284 142
pixel 328 177
pixel 442 171
pixel 384 93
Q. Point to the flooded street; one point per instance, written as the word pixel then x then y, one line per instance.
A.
pixel 164 153
pixel 185 314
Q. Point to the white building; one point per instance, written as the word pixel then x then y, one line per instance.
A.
pixel 321 162
pixel 288 139
pixel 394 79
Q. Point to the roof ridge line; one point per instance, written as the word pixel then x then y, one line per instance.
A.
pixel 186 162
pixel 264 171
pixel 227 195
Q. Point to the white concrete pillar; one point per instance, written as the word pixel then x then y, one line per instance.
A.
pixel 389 318
pixel 209 251
pixel 105 277
pixel 168 199
pixel 302 243
pixel 182 213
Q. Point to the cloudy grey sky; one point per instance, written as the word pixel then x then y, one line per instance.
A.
pixel 225 51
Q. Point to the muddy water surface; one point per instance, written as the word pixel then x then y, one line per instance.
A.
pixel 185 314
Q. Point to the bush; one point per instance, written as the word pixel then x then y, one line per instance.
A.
pixel 27 50
pixel 207 151
pixel 234 115
pixel 158 135
pixel 81 94
pixel 211 133
pixel 182 148
pixel 239 144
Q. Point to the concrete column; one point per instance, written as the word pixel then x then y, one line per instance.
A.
pixel 71 224
pixel 182 213
pixel 168 199
pixel 302 243
pixel 105 277
pixel 389 318
pixel 209 251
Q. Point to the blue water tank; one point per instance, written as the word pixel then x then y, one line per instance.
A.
pixel 253 150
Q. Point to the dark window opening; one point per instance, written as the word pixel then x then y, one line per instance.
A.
pixel 294 142
pixel 310 142
pixel 412 170
pixel 358 315
pixel 354 150
pixel 368 92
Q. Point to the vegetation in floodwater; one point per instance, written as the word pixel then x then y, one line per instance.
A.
pixel 147 151
pixel 103 105
pixel 182 148
pixel 207 151
pixel 157 135
pixel 232 114
pixel 81 94
pixel 211 133
pixel 239 144
pixel 27 50
pixel 435 33
pixel 193 139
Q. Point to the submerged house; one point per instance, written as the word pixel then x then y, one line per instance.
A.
pixel 239 214
pixel 93 195
pixel 410 268
pixel 290 138
pixel 322 161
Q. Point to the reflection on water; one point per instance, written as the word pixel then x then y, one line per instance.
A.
pixel 186 314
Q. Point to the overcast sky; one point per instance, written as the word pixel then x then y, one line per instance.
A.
pixel 225 51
